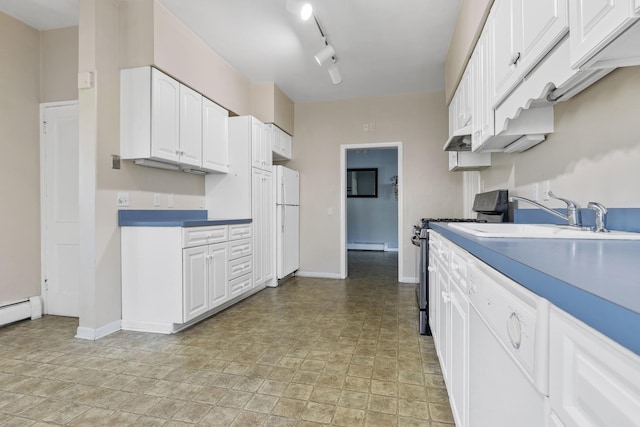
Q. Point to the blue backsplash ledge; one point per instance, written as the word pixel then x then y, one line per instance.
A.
pixel 621 219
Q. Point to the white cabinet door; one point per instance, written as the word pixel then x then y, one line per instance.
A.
pixel 637 6
pixel 257 144
pixel 217 274
pixel 542 24
pixel 458 372
pixel 190 151
pixel 165 117
pixel 215 137
pixel 194 282
pixel 268 226
pixel 593 380
pixel 433 296
pixel 483 112
pixel 257 221
pixel 593 24
pixel 444 323
pixel 505 45
pixel 524 32
pixel 280 143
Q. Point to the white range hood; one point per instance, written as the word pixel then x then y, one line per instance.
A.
pixel 460 140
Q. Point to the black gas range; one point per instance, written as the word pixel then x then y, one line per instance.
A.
pixel 491 206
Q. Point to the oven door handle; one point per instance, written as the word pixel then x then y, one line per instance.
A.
pixel 415 240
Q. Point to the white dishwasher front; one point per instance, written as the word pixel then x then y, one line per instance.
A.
pixel 508 338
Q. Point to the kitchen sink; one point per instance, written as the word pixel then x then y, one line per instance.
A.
pixel 538 231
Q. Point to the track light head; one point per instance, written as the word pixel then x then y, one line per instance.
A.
pixel 306 11
pixel 326 53
pixel 334 73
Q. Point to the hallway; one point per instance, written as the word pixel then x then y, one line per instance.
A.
pixel 309 352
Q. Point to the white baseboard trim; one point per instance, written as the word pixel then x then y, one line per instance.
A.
pixel 156 328
pixel 20 310
pixel 409 280
pixel 91 334
pixel 318 275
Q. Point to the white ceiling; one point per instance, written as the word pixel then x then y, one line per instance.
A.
pixel 383 46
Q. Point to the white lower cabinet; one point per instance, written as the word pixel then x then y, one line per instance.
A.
pixel 205 279
pixel 593 380
pixel 510 358
pixel 173 276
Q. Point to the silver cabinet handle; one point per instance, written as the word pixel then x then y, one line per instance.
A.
pixel 445 297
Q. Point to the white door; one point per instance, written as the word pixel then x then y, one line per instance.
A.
pixel 60 209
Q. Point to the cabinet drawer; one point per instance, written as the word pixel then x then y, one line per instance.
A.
pixel 196 236
pixel 239 231
pixel 239 267
pixel 240 285
pixel 458 264
pixel 240 248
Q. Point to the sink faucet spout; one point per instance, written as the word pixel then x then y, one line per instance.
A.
pixel 572 208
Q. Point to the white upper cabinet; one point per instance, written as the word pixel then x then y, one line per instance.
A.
pixel 483 113
pixel 261 156
pixel 595 24
pixel 524 32
pixel 190 151
pixel 281 143
pixel 164 120
pixel 215 137
pixel 165 117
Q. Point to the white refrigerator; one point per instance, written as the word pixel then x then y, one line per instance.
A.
pixel 287 191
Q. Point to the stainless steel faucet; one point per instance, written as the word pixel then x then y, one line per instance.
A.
pixel 572 208
pixel 601 216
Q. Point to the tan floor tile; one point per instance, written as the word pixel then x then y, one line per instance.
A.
pixel 384 404
pixel 413 409
pixel 357 384
pixel 145 421
pixel 18 422
pixel 91 418
pixel 282 374
pixel 298 391
pixel 23 404
pixel 276 421
pixel 248 419
pixel 434 380
pixel 348 417
pixel 165 408
pixel 235 399
pixel 225 380
pixel 377 419
pixel 220 416
pixel 353 399
pixel 306 377
pixel 412 392
pixel 191 412
pixel 384 388
pixel 440 412
pixel 248 384
pixel 437 395
pixel 318 412
pixel 289 408
pixel 261 403
pixel 66 413
pixel 413 422
pixel 119 419
pixel 259 371
pixel 325 395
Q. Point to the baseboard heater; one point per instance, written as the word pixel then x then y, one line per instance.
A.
pixel 361 246
pixel 26 309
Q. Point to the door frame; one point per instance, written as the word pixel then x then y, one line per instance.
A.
pixel 43 234
pixel 343 202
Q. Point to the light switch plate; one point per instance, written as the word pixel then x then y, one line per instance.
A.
pixel 156 199
pixel 122 199
pixel 170 202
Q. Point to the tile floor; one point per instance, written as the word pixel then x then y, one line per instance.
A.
pixel 310 352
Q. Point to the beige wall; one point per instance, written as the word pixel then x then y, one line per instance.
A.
pixel 469 25
pixel 594 153
pixel 419 121
pixel 59 64
pixel 272 105
pixel 19 175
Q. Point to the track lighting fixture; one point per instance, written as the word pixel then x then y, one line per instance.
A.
pixel 326 53
pixel 334 73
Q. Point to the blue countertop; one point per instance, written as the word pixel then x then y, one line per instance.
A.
pixel 596 281
pixel 171 218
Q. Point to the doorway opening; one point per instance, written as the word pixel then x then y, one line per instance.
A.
pixel 371 206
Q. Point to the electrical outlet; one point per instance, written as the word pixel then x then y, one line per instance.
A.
pixel 546 187
pixel 156 199
pixel 122 199
pixel 170 202
pixel 372 126
pixel 535 191
pixel 365 127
